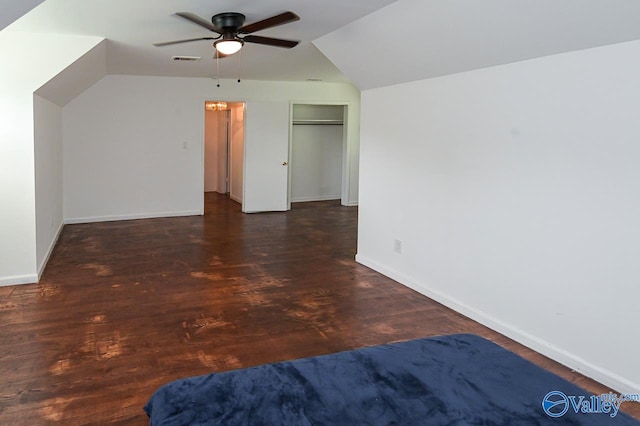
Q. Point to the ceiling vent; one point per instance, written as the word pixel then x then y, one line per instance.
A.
pixel 186 58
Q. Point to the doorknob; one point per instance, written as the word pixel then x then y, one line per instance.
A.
pixel 284 163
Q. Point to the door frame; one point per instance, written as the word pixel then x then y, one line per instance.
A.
pixel 346 148
pixel 228 148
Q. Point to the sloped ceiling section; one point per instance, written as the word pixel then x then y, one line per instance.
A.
pixel 131 27
pixel 77 77
pixel 10 10
pixel 419 39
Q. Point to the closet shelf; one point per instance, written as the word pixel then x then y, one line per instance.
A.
pixel 317 122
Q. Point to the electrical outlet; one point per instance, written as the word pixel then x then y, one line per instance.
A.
pixel 397 246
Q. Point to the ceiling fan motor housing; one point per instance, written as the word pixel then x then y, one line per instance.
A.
pixel 230 28
pixel 228 20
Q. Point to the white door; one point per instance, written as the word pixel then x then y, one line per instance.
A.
pixel 266 157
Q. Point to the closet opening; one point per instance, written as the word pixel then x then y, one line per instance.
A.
pixel 317 152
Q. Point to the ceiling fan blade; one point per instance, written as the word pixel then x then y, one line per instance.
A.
pixel 274 21
pixel 199 21
pixel 277 42
pixel 167 43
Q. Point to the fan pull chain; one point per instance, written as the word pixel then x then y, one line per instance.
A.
pixel 239 64
pixel 217 66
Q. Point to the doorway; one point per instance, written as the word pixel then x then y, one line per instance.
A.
pixel 224 148
pixel 318 149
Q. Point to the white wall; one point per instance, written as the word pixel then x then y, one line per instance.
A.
pixel 213 133
pixel 133 147
pixel 237 151
pixel 221 144
pixel 17 215
pixel 352 154
pixel 35 59
pixel 515 192
pixel 49 99
pixel 48 176
pixel 124 141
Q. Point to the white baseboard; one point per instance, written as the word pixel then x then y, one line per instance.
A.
pixel 236 199
pixel 49 251
pixel 18 279
pixel 568 359
pixel 71 221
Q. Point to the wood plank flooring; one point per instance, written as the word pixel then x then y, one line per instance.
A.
pixel 124 307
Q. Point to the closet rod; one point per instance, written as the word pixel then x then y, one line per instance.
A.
pixel 317 122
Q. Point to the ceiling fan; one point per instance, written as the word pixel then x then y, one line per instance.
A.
pixel 232 33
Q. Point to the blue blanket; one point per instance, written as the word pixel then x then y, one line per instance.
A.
pixel 449 380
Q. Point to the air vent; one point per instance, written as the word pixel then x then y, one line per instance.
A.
pixel 186 58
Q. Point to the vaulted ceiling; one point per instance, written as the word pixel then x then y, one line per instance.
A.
pixel 420 39
pixel 132 27
pixel 371 43
pixel 12 10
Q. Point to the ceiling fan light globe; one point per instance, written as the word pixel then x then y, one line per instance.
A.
pixel 228 47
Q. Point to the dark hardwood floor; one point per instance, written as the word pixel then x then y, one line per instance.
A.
pixel 124 307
